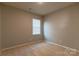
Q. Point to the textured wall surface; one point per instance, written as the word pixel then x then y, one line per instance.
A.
pixel 0 29
pixel 62 27
pixel 17 27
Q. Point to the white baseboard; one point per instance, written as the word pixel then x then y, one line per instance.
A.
pixel 20 45
pixel 72 49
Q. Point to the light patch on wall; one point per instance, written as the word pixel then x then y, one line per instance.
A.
pixel 47 32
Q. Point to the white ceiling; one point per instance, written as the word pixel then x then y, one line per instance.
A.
pixel 40 8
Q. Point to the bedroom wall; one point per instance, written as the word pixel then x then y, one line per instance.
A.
pixel 62 27
pixel 17 27
pixel 0 29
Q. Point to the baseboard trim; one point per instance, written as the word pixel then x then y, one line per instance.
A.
pixel 69 48
pixel 20 45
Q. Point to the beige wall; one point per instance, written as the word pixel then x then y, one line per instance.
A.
pixel 0 30
pixel 17 27
pixel 62 27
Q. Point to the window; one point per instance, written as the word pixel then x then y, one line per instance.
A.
pixel 36 26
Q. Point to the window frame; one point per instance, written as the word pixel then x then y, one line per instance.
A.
pixel 40 26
